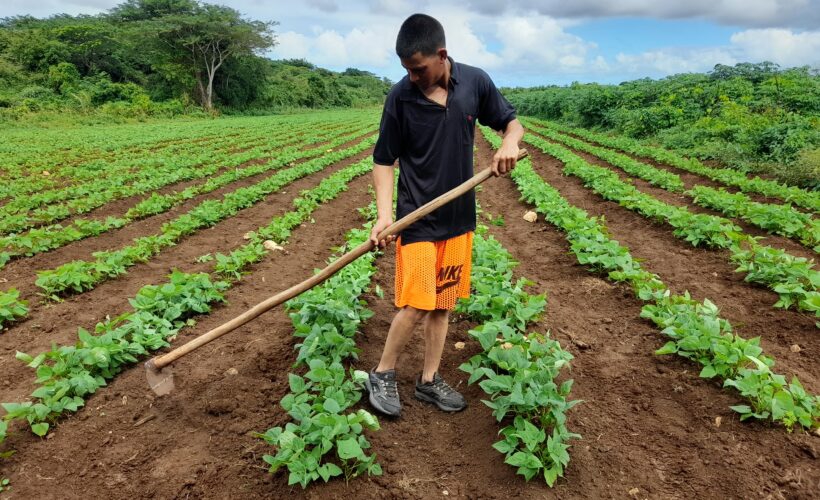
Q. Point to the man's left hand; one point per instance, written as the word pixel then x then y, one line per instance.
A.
pixel 504 159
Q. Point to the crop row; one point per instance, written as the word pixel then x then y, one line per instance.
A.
pixel 325 439
pixel 44 239
pixel 160 172
pixel 68 174
pixel 801 197
pixel 11 307
pixel 517 369
pixel 140 175
pixel 23 154
pixel 30 192
pixel 79 275
pixel 777 219
pixel 233 264
pixel 696 330
pixel 66 375
pixel 70 168
pixel 794 279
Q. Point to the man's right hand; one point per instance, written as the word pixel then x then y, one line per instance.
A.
pixel 378 227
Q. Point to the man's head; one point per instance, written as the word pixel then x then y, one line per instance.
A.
pixel 421 47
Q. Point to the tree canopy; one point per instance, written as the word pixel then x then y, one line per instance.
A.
pixel 751 116
pixel 147 55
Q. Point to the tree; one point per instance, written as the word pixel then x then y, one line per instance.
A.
pixel 200 38
pixel 143 10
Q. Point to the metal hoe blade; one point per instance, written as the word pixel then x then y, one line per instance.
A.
pixel 160 381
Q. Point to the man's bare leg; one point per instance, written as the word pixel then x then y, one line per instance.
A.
pixel 435 334
pixel 401 330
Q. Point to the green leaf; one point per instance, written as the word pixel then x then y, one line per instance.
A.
pixel 668 348
pixel 25 358
pixel 550 475
pixel 360 375
pixel 782 403
pixel 349 448
pixel 40 429
pixel 297 383
pixel 333 469
pixel 519 459
pixel 370 421
pixel 331 406
pixel 503 446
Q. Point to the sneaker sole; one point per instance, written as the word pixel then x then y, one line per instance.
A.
pixel 374 403
pixel 450 409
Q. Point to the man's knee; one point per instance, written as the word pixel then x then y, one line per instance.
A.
pixel 415 315
pixel 438 314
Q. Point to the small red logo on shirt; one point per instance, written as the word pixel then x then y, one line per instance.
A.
pixel 469 118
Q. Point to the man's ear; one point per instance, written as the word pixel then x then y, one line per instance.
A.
pixel 442 54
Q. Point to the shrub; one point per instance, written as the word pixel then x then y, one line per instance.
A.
pixel 804 171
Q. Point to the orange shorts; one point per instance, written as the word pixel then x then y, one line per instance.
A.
pixel 433 274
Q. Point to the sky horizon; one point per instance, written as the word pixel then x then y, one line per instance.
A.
pixel 529 42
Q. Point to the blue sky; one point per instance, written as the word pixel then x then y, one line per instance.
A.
pixel 638 35
pixel 531 42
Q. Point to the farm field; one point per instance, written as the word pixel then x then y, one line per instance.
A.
pixel 658 321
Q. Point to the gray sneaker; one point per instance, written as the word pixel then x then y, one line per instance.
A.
pixel 440 394
pixel 384 393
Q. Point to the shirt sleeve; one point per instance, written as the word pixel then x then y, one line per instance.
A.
pixel 388 145
pixel 494 109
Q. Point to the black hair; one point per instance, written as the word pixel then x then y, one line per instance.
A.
pixel 419 33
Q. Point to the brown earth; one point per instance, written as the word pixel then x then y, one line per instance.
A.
pixel 648 422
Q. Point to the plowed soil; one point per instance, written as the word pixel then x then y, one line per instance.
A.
pixel 651 428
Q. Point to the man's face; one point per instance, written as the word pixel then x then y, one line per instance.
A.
pixel 426 71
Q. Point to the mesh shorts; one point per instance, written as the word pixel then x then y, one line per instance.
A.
pixel 433 274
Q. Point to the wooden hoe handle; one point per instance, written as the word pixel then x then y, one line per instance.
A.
pixel 158 362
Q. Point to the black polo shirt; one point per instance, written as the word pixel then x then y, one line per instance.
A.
pixel 434 146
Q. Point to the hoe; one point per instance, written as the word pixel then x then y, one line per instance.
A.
pixel 158 371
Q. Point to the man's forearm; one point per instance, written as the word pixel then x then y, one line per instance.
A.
pixel 513 133
pixel 383 183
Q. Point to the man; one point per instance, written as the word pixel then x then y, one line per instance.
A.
pixel 428 124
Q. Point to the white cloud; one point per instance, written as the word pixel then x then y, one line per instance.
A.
pixel 397 7
pixel 781 46
pixel 671 61
pixel 361 47
pixel 45 8
pixel 463 44
pixel 324 5
pixel 744 13
pixel 541 42
pixel 526 42
pixel 292 46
